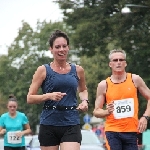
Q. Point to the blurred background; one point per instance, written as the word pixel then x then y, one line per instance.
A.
pixel 94 26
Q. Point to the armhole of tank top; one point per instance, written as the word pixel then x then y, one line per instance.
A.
pixel 106 91
pixel 73 68
pixel 48 69
pixel 47 66
pixel 134 85
pixel 132 80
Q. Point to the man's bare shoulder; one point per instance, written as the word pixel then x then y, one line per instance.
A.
pixel 135 76
pixel 137 79
pixel 102 84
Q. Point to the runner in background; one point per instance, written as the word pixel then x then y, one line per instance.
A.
pixel 120 94
pixel 14 125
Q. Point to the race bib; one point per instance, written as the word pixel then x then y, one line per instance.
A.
pixel 123 108
pixel 12 138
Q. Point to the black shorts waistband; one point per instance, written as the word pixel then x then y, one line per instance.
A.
pixel 61 108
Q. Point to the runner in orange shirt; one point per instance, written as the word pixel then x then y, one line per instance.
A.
pixel 119 92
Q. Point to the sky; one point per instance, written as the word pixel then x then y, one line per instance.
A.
pixel 12 12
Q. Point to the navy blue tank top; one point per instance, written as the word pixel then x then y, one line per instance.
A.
pixel 65 83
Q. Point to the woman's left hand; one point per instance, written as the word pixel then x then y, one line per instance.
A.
pixel 83 106
pixel 19 134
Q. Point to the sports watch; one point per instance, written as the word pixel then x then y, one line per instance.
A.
pixel 147 117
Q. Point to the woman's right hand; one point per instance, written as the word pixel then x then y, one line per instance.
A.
pixel 110 107
pixel 3 131
pixel 56 96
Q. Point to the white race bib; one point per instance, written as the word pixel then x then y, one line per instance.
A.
pixel 12 138
pixel 123 108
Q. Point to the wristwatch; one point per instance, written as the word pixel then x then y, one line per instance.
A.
pixel 147 117
pixel 86 100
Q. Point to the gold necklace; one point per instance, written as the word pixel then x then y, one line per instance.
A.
pixel 61 68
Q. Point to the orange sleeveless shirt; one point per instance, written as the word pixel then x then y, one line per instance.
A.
pixel 117 92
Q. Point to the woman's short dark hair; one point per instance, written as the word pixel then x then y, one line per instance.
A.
pixel 56 34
